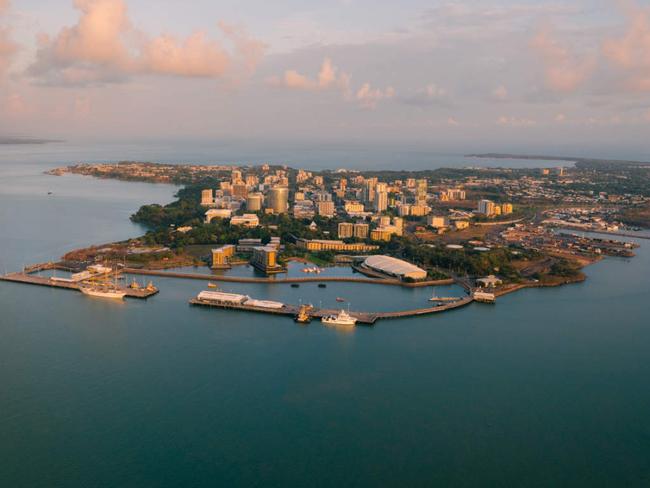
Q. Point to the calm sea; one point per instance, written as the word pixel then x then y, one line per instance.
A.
pixel 547 388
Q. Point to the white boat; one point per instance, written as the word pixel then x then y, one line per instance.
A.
pixel 103 292
pixel 343 318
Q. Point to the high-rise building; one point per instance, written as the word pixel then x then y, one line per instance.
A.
pixel 369 190
pixel 361 231
pixel 254 202
pixel 279 199
pixel 486 207
pixel 381 197
pixel 506 208
pixel 325 208
pixel 266 260
pixel 345 230
pixel 398 223
pixel 239 190
pixel 207 197
pixel 404 210
pixel 222 255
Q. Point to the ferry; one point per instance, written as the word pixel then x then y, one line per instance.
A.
pixel 343 318
pixel 103 292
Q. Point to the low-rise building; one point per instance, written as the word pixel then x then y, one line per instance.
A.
pixel 246 220
pixel 217 213
pixel 394 267
pixel 331 245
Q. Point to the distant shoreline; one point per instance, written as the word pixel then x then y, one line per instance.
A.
pixel 21 141
pixel 567 159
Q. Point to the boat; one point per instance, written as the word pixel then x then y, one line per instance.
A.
pixel 343 318
pixel 303 316
pixel 295 285
pixel 134 285
pixel 339 299
pixel 103 291
pixel 212 285
pixel 322 285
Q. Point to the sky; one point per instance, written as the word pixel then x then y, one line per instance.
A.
pixel 503 75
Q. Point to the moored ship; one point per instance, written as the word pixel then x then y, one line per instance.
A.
pixel 343 318
pixel 103 292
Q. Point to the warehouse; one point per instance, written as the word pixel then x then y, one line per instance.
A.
pixel 395 268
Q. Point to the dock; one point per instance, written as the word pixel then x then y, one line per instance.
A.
pixel 364 318
pixel 30 279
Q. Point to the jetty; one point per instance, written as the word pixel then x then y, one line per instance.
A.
pixel 365 318
pixel 29 278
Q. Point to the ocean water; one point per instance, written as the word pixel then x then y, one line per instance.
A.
pixel 298 155
pixel 549 387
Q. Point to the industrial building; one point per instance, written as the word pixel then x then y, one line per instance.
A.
pixel 394 267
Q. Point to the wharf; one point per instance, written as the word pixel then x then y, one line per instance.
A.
pixel 30 279
pixel 365 318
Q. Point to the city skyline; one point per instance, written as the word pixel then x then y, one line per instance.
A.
pixel 459 74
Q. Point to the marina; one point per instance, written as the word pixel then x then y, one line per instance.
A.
pixel 91 285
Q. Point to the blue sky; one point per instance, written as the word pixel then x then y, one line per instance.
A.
pixel 503 73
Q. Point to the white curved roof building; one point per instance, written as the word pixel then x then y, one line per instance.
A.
pixel 395 267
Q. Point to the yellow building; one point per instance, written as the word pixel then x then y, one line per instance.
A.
pixel 506 208
pixel 327 245
pixel 266 260
pixel 221 256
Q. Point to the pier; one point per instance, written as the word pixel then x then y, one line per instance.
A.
pixel 31 279
pixel 365 318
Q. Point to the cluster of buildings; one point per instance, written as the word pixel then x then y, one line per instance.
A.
pixel 491 209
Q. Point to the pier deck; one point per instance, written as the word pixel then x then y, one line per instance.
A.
pixel 30 279
pixel 366 318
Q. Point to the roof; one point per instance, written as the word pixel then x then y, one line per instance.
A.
pixel 392 265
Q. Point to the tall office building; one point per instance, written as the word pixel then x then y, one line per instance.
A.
pixel 207 197
pixel 254 202
pixel 381 197
pixel 279 199
pixel 486 207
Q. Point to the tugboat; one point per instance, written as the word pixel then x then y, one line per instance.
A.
pixel 343 318
pixel 303 316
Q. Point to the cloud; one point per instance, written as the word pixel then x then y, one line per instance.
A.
pixel 500 93
pixel 563 72
pixel 329 77
pixel 432 94
pixel 7 46
pixel 452 122
pixel 631 51
pixel 511 121
pixel 105 47
pixel 369 97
